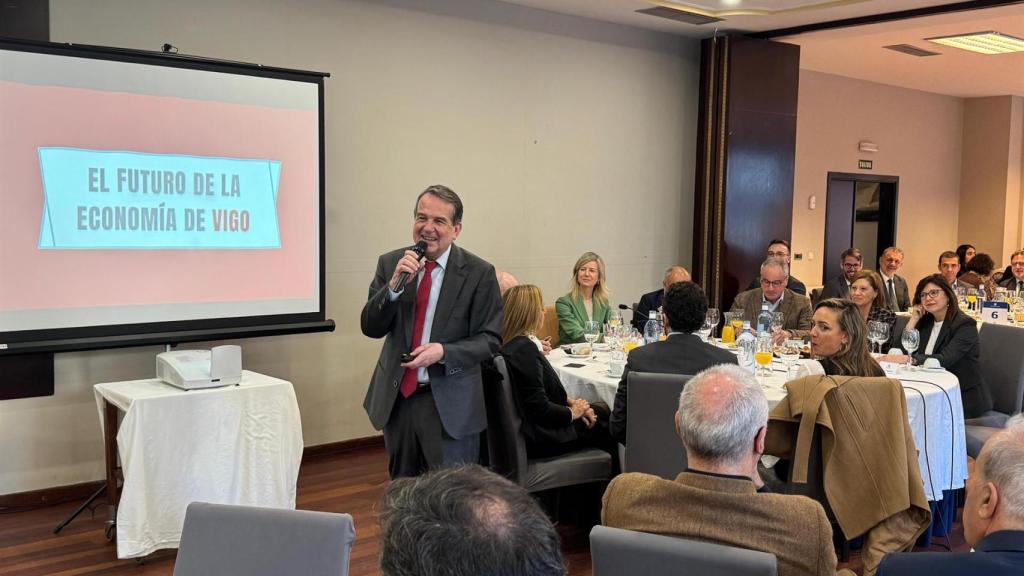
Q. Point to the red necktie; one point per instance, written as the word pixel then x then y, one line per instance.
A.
pixel 409 381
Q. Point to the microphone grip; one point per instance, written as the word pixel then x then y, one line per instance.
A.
pixel 626 307
pixel 403 279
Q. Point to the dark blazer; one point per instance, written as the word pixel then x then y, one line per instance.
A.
pixel 677 354
pixel 539 393
pixel 793 284
pixel 958 351
pixel 467 322
pixel 648 302
pixel 835 288
pixel 1009 282
pixel 998 554
pixel 899 285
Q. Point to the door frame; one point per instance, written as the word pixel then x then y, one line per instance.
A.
pixel 828 267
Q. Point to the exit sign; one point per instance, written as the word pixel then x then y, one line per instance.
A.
pixel 864 164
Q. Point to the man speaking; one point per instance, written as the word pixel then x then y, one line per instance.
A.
pixel 439 310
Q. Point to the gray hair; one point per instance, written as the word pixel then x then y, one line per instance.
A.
pixel 775 263
pixel 1003 465
pixel 721 410
pixel 446 195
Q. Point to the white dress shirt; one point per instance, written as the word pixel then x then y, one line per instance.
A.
pixel 436 278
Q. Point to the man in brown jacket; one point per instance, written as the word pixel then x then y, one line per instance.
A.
pixel 796 309
pixel 722 419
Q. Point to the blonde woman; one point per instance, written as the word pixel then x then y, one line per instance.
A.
pixel 553 423
pixel 587 299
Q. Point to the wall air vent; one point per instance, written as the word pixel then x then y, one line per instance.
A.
pixel 679 15
pixel 911 50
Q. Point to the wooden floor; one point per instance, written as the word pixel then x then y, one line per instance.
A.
pixel 351 483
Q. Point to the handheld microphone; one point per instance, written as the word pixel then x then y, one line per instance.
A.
pixel 420 249
pixel 625 307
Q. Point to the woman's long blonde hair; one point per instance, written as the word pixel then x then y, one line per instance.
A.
pixel 524 311
pixel 601 293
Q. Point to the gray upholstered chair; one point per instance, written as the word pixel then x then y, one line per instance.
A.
pixel 1002 365
pixel 652 445
pixel 507 447
pixel 618 552
pixel 245 540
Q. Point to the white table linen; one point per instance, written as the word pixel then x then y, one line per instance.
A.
pixel 934 409
pixel 233 445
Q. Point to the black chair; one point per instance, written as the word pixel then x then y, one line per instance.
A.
pixel 1002 365
pixel 618 552
pixel 815 296
pixel 507 446
pixel 652 445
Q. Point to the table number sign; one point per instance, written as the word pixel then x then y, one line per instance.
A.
pixel 995 312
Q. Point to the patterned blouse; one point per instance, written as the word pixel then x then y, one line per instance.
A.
pixel 882 315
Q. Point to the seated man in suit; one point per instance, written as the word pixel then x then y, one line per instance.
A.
pixel 653 300
pixel 682 352
pixel 773 291
pixel 993 516
pixel 1014 281
pixel 897 295
pixel 949 267
pixel 465 521
pixel 839 287
pixel 722 418
pixel 779 250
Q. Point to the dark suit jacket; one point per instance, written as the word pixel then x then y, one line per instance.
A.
pixel 1009 282
pixel 725 511
pixel 467 322
pixel 793 284
pixel 958 351
pixel 998 554
pixel 835 288
pixel 677 354
pixel 899 285
pixel 539 393
pixel 648 302
pixel 796 309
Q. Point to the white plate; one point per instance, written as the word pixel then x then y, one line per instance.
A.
pixel 933 369
pixel 602 347
pixel 568 355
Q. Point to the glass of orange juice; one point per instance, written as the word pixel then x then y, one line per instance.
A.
pixel 763 355
pixel 628 345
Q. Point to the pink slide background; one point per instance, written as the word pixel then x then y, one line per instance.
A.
pixel 35 116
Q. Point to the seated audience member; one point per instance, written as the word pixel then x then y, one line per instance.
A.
pixel 722 419
pixel 465 521
pixel 897 294
pixel 839 340
pixel 779 249
pixel 852 261
pixel 866 293
pixel 978 274
pixel 993 517
pixel 505 280
pixel 653 300
pixel 951 337
pixel 949 268
pixel 773 291
pixel 553 423
pixel 1014 281
pixel 964 254
pixel 682 352
pixel 587 299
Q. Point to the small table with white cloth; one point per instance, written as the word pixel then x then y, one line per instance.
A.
pixel 231 445
pixel 934 408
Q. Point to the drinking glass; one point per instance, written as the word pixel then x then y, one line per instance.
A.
pixel 705 330
pixel 591 333
pixel 778 321
pixel 911 340
pixel 789 353
pixel 614 318
pixel 873 334
pixel 763 355
pixel 712 317
pixel 882 333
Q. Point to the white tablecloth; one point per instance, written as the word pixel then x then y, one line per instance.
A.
pixel 934 408
pixel 233 445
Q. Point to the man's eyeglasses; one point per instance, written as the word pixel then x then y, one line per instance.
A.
pixel 777 254
pixel 853 266
pixel 930 294
pixel 773 283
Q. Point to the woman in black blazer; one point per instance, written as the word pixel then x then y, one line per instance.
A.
pixel 956 345
pixel 553 423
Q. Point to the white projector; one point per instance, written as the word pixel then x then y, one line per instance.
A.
pixel 198 369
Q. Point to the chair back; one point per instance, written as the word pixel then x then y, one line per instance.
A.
pixel 246 540
pixel 550 327
pixel 1002 365
pixel 815 296
pixel 618 552
pixel 505 442
pixel 652 445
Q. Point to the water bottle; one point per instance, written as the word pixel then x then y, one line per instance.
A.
pixel 764 320
pixel 745 346
pixel 653 329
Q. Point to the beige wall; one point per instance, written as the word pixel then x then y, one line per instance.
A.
pixel 919 139
pixel 561 134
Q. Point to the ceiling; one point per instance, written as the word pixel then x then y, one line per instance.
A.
pixel 856 51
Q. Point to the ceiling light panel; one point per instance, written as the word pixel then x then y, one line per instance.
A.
pixel 982 42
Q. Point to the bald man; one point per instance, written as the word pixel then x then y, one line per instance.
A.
pixel 653 300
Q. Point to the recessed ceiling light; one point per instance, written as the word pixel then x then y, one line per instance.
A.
pixel 982 42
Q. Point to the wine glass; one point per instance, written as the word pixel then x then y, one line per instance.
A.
pixel 591 333
pixel 882 333
pixel 778 321
pixel 705 329
pixel 911 340
pixel 712 318
pixel 763 354
pixel 789 353
pixel 873 334
pixel 614 318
